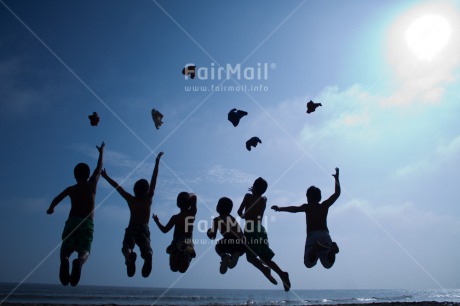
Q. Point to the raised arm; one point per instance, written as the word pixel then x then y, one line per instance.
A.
pixel 57 200
pixel 115 185
pixel 97 171
pixel 291 209
pixel 168 226
pixel 153 181
pixel 337 191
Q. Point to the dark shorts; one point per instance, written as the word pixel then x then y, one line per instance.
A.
pixel 230 244
pixel 78 235
pixel 324 238
pixel 137 234
pixel 181 246
pixel 257 243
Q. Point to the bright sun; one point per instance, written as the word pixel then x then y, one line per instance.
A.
pixel 428 35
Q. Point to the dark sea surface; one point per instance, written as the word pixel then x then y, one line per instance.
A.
pixel 57 294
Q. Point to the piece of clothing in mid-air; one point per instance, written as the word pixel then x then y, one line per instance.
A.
pixel 157 118
pixel 235 115
pixel 189 71
pixel 252 143
pixel 94 119
pixel 311 106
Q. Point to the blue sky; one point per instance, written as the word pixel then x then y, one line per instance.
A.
pixel 388 120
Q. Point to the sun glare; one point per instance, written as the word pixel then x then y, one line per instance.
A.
pixel 428 35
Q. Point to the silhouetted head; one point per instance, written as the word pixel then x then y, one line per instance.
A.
pixel 224 206
pixel 141 188
pixel 260 186
pixel 183 200
pixel 313 194
pixel 81 172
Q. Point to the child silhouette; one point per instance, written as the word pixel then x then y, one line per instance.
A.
pixel 252 210
pixel 319 243
pixel 181 250
pixel 231 246
pixel 78 230
pixel 138 231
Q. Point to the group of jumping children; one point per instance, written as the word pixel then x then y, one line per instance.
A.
pixel 77 235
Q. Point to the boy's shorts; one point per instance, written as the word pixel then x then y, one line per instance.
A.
pixel 324 238
pixel 182 246
pixel 257 243
pixel 137 234
pixel 230 244
pixel 78 234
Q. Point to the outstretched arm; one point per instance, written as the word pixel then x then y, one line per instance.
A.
pixel 336 194
pixel 57 200
pixel 168 226
pixel 291 209
pixel 153 181
pixel 115 185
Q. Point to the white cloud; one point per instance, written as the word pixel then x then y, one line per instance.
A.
pixel 404 217
pixel 222 175
pixel 442 156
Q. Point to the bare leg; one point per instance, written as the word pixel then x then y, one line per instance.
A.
pixel 283 275
pixel 64 275
pixel 184 263
pixel 259 265
pixel 174 262
pixel 331 255
pixel 76 267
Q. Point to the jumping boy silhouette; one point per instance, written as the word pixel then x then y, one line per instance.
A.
pixel 252 210
pixel 138 231
pixel 231 246
pixel 78 230
pixel 319 243
pixel 181 250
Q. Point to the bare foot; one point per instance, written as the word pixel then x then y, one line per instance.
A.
pixel 286 281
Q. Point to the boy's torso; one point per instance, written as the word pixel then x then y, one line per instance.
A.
pixel 139 211
pixel 82 198
pixel 228 226
pixel 255 210
pixel 183 226
pixel 316 216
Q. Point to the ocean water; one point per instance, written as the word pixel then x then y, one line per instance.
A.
pixel 42 293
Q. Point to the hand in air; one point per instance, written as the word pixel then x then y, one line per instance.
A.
pixel 336 175
pixel 275 208
pixel 101 148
